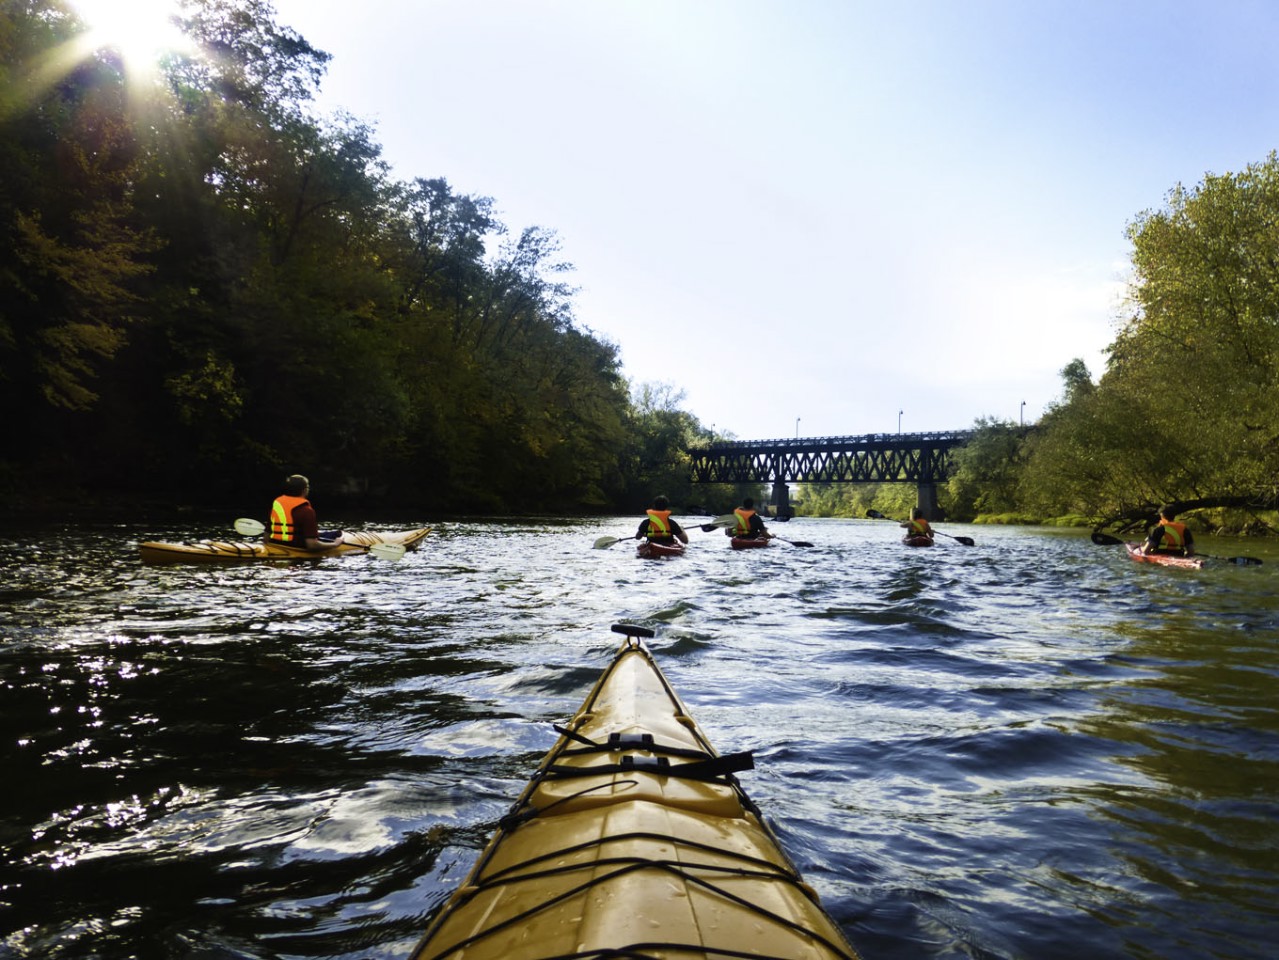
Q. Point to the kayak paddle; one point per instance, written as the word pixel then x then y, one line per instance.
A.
pixel 966 541
pixel 383 551
pixel 793 543
pixel 1106 540
pixel 603 543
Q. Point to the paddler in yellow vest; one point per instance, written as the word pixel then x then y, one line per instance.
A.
pixel 917 525
pixel 748 525
pixel 293 519
pixel 1169 536
pixel 658 526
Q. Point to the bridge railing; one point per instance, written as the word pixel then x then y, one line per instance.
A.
pixel 866 439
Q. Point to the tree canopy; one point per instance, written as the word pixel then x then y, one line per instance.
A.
pixel 206 287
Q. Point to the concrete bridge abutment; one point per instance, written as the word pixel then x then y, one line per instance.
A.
pixel 926 500
pixel 781 500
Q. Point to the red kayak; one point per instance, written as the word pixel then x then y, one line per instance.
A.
pixel 749 543
pixel 657 551
pixel 917 541
pixel 1163 559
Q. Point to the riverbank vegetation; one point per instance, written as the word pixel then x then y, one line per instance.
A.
pixel 205 286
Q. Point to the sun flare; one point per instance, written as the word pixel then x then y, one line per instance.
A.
pixel 142 31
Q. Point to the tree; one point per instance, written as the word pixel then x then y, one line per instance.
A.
pixel 987 471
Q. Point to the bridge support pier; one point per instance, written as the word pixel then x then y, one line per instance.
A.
pixel 781 501
pixel 926 500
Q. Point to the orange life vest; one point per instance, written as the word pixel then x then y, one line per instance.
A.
pixel 1174 537
pixel 282 527
pixel 659 525
pixel 919 527
pixel 743 521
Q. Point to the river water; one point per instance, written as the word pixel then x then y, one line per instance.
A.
pixel 1029 748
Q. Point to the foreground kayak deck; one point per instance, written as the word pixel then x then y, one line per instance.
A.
pixel 633 839
pixel 749 543
pixel 918 541
pixel 1163 559
pixel 244 551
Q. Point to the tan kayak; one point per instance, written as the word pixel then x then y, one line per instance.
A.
pixel 634 840
pixel 243 551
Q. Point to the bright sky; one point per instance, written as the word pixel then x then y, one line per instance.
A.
pixel 813 214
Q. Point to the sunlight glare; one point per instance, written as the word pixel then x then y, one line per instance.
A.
pixel 142 31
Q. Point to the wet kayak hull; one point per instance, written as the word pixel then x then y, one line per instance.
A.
pixel 657 551
pixel 249 551
pixel 1163 559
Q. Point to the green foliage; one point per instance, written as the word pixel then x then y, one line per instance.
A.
pixel 1189 405
pixel 212 284
pixel 987 471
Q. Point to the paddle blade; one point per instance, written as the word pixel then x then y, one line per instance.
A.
pixel 797 543
pixel 875 515
pixel 604 542
pixel 1105 539
pixel 967 541
pixel 387 551
pixel 1243 561
pixel 249 528
pixel 716 524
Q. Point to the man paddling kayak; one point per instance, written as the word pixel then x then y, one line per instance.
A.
pixel 658 526
pixel 749 526
pixel 293 519
pixel 918 526
pixel 1169 538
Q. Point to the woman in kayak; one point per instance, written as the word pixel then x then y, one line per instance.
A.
pixel 658 527
pixel 917 525
pixel 1170 537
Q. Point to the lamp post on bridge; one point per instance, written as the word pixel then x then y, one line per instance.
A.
pixel 797 428
pixel 1022 418
pixel 899 421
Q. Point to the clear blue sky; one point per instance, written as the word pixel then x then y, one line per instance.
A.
pixel 815 209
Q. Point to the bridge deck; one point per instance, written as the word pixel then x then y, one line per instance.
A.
pixel 871 458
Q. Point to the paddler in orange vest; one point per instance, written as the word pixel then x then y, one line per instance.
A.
pixel 748 526
pixel 1169 536
pixel 917 525
pixel 658 526
pixel 293 519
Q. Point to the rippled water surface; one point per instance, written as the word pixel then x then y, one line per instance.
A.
pixel 1029 748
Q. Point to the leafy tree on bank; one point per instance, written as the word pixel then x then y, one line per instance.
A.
pixel 1188 408
pixel 656 458
pixel 242 291
pixel 987 471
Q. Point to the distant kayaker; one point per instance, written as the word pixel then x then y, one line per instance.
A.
pixel 917 525
pixel 1170 537
pixel 658 526
pixel 748 526
pixel 293 519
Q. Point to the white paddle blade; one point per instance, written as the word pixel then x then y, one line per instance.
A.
pixel 249 528
pixel 387 551
pixel 604 542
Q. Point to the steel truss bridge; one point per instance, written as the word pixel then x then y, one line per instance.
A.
pixel 925 459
